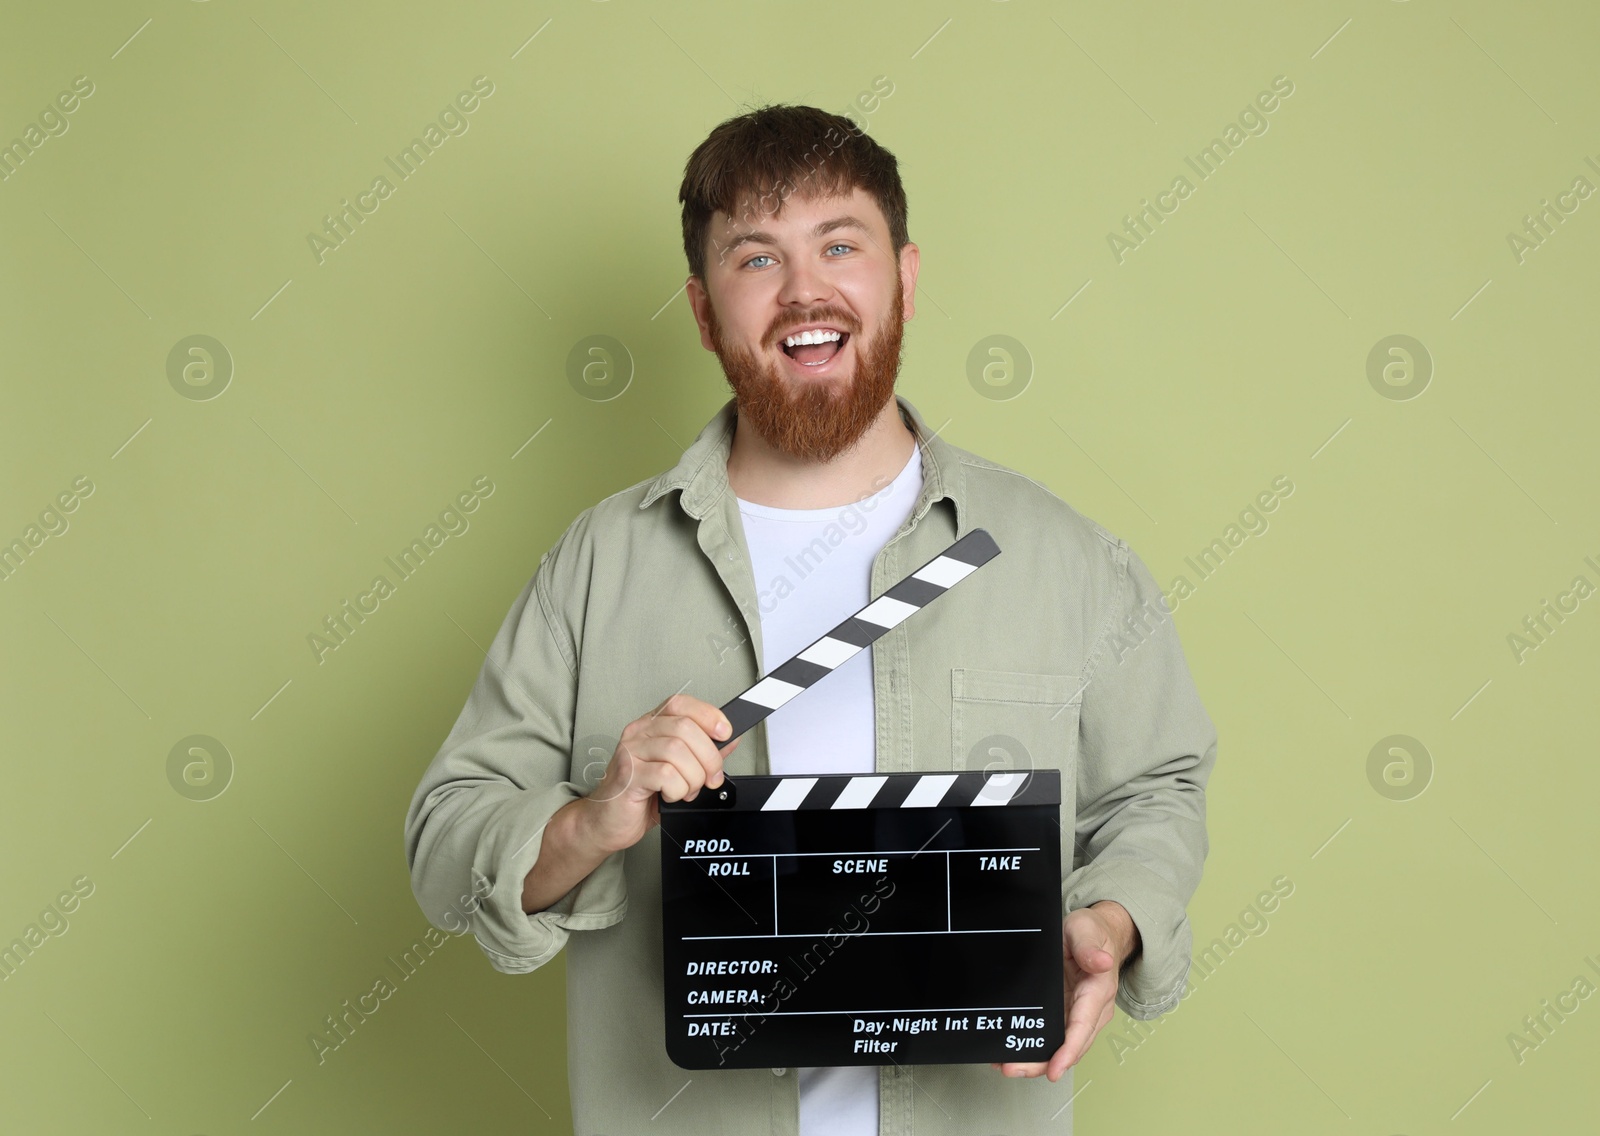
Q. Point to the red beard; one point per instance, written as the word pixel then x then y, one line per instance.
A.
pixel 809 420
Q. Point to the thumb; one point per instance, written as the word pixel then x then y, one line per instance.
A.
pixel 1090 944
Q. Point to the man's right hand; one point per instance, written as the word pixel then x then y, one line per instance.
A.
pixel 669 754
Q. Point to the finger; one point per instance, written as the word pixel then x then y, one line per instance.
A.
pixel 1094 959
pixel 1088 942
pixel 1089 1002
pixel 1022 1068
pixel 647 767
pixel 709 718
pixel 686 743
pixel 667 778
pixel 679 753
pixel 1062 1060
pixel 699 744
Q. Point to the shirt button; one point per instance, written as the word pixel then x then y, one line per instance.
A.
pixel 779 1072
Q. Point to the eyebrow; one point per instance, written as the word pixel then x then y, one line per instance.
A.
pixel 822 229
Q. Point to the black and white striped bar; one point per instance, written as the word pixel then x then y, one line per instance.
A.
pixel 838 646
pixel 1014 787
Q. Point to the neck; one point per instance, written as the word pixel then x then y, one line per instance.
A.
pixel 765 476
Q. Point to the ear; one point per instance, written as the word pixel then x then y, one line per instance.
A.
pixel 700 304
pixel 910 261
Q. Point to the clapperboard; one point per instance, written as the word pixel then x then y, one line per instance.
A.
pixel 906 918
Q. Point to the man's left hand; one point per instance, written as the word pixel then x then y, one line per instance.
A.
pixel 1096 941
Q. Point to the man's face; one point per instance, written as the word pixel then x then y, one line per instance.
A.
pixel 821 265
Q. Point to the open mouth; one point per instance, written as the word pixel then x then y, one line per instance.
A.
pixel 814 349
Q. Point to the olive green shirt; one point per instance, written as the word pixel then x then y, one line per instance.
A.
pixel 1062 645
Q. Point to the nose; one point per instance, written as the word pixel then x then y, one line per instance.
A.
pixel 804 286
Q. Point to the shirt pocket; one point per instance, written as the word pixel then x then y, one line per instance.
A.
pixel 1003 720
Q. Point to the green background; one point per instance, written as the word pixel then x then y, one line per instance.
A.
pixel 370 389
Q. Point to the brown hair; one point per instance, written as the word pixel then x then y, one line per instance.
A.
pixel 776 151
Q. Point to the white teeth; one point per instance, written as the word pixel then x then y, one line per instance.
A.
pixel 812 337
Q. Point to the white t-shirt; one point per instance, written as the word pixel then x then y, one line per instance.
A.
pixel 813 569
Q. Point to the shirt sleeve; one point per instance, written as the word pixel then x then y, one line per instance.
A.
pixel 476 821
pixel 1146 749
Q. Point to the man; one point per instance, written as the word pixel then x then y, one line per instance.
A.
pixel 813 490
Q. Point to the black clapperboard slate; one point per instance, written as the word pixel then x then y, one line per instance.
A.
pixel 899 918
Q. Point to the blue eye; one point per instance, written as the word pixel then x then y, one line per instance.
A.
pixel 753 259
pixel 838 246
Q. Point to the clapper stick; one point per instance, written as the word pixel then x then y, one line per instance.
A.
pixel 838 646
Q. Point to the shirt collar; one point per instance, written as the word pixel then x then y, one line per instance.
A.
pixel 702 472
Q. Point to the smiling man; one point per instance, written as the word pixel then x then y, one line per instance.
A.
pixel 813 490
